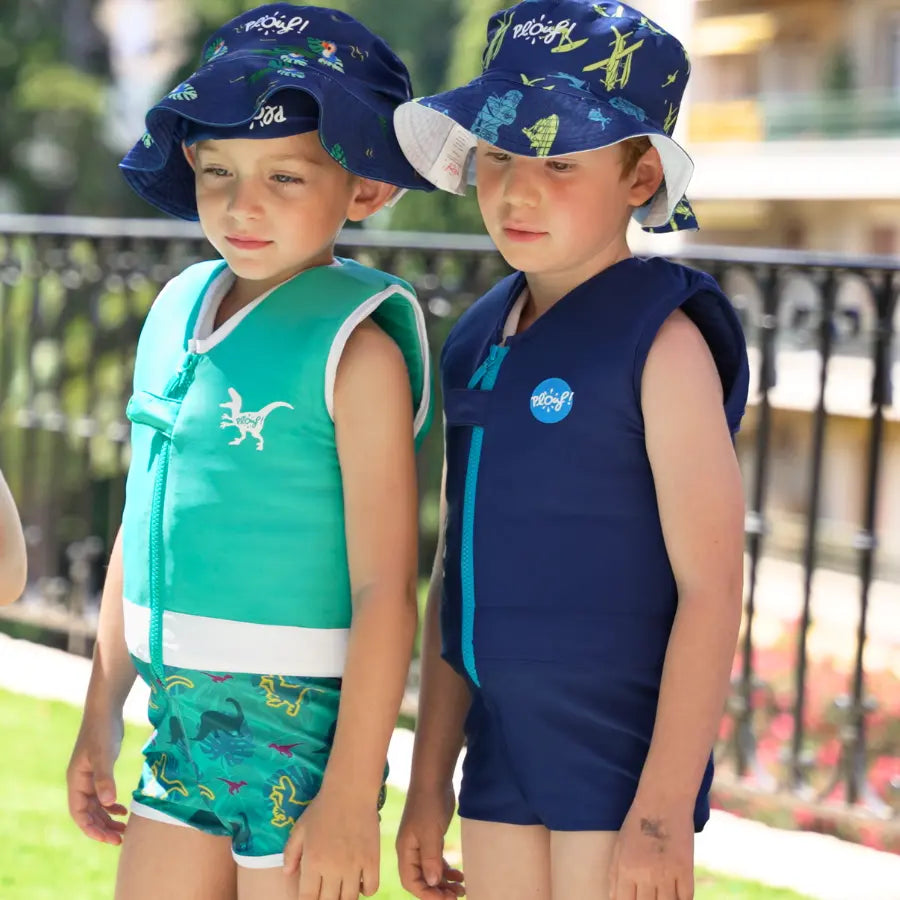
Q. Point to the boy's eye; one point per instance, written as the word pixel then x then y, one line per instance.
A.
pixel 215 171
pixel 559 166
pixel 281 178
pixel 498 155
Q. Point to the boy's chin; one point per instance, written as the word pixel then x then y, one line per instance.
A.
pixel 248 268
pixel 526 257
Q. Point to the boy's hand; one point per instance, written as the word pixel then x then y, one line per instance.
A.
pixel 420 846
pixel 336 845
pixel 90 782
pixel 654 855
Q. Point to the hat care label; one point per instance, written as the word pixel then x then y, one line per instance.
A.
pixel 277 24
pixel 454 155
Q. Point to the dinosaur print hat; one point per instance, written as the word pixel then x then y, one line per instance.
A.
pixel 560 77
pixel 328 72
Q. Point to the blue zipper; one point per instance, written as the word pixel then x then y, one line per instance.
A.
pixel 484 378
pixel 175 390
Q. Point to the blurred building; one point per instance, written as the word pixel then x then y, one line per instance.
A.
pixel 146 46
pixel 794 123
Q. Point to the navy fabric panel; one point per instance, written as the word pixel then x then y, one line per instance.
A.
pixel 574 593
pixel 466 407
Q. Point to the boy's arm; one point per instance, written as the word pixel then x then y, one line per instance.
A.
pixel 91 786
pixel 701 507
pixel 444 700
pixel 112 671
pixel 373 416
pixel 374 432
pixel 12 548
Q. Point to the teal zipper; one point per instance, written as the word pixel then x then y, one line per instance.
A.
pixel 484 378
pixel 175 390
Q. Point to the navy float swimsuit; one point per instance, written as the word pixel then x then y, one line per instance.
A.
pixel 558 592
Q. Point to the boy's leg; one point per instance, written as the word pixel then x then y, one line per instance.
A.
pixel 267 884
pixel 579 864
pixel 506 862
pixel 174 861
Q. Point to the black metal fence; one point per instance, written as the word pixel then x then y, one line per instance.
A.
pixel 73 294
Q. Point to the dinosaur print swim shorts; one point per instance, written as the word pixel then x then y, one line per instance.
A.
pixel 236 754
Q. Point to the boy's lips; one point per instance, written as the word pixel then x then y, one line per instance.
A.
pixel 522 235
pixel 246 243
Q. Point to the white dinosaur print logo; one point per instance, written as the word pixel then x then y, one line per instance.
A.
pixel 247 422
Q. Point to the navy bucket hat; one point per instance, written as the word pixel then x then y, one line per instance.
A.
pixel 355 82
pixel 561 77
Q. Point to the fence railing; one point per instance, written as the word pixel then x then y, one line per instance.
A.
pixel 822 331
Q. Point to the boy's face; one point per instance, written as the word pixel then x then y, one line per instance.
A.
pixel 561 217
pixel 274 207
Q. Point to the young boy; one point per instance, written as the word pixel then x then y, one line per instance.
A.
pixel 263 582
pixel 13 559
pixel 586 592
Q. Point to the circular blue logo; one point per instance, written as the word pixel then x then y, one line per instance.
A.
pixel 551 401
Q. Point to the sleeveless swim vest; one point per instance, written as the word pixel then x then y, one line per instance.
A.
pixel 235 555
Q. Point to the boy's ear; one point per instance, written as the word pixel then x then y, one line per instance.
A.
pixel 368 197
pixel 647 177
pixel 189 155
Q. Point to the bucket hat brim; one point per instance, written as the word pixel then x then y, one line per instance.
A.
pixel 356 131
pixel 439 133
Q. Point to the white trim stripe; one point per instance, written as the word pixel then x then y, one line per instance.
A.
pixel 360 314
pixel 215 292
pixel 148 812
pixel 272 861
pixel 205 335
pixel 222 645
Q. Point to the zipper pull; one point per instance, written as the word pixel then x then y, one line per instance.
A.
pixel 182 379
pixel 484 369
pixel 190 363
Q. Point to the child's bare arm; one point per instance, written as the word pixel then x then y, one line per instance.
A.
pixel 92 788
pixel 12 548
pixel 112 672
pixel 701 506
pixel 337 837
pixel 444 700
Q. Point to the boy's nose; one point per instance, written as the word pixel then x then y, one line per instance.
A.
pixel 519 188
pixel 244 200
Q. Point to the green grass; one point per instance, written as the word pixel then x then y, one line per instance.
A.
pixel 44 857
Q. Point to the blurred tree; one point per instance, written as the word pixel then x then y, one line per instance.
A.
pixel 840 76
pixel 471 37
pixel 54 74
pixel 56 144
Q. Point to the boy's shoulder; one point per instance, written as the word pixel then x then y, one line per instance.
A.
pixel 658 275
pixel 369 277
pixel 183 289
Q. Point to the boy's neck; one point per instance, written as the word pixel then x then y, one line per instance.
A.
pixel 546 289
pixel 245 290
